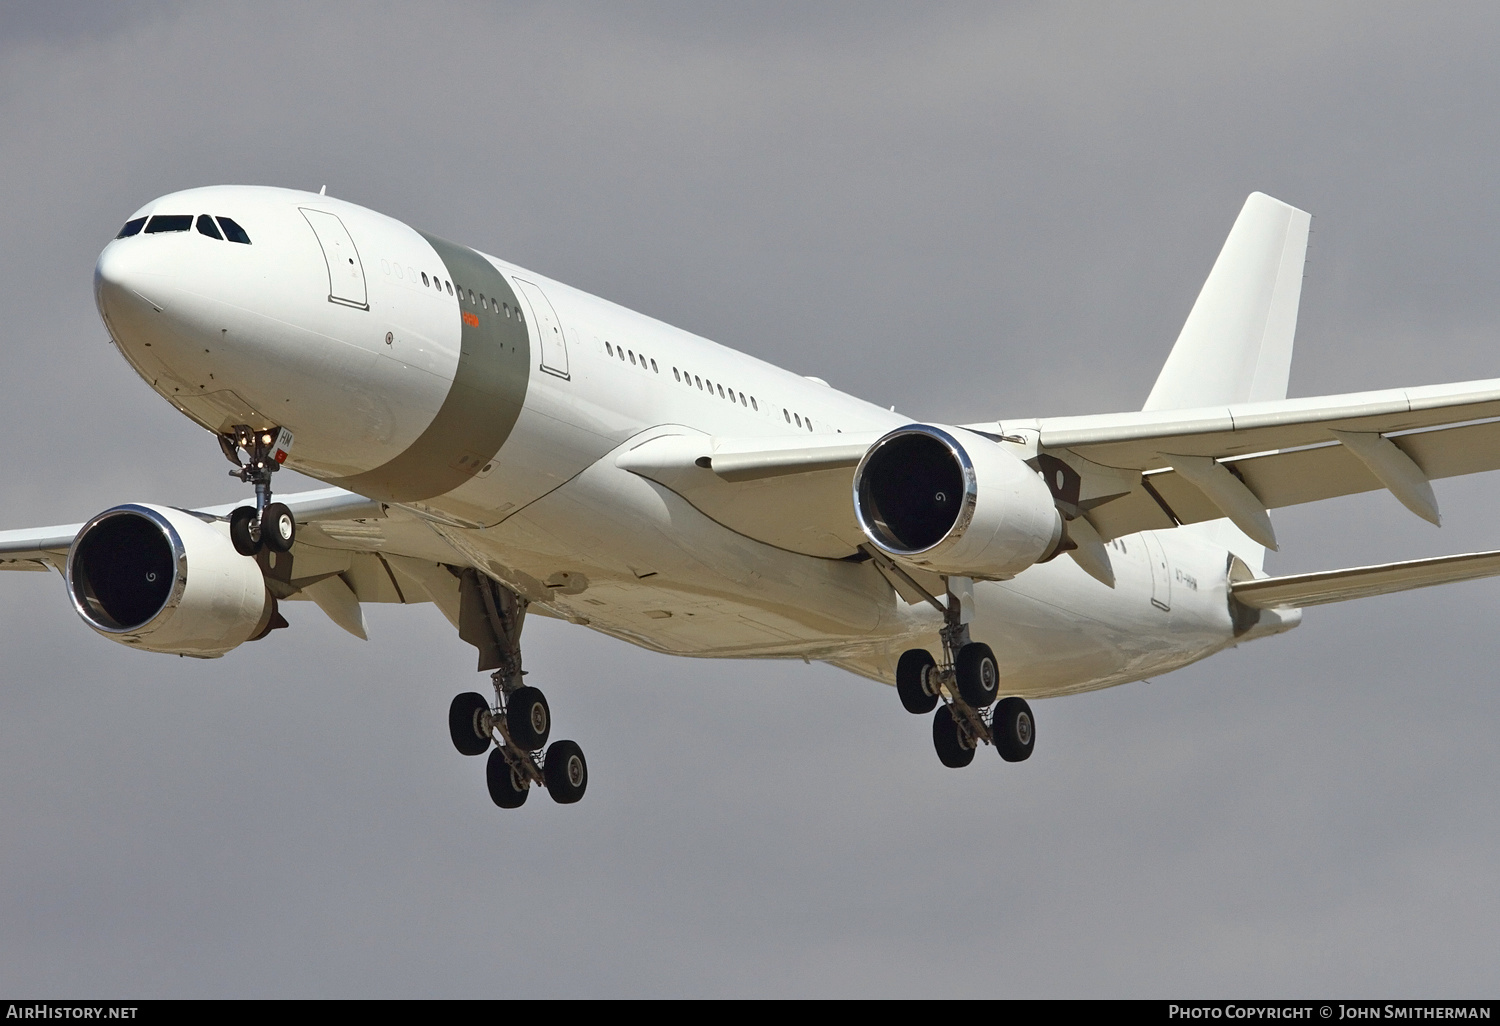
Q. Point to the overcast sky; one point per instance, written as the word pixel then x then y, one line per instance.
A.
pixel 970 212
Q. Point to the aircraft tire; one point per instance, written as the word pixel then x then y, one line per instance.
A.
pixel 528 719
pixel 1014 729
pixel 243 532
pixel 278 528
pixel 566 772
pixel 502 782
pixel 978 674
pixel 948 738
pixel 464 723
pixel 911 681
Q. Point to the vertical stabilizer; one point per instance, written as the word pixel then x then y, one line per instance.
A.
pixel 1236 345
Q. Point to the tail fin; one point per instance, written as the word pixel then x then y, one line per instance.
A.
pixel 1236 345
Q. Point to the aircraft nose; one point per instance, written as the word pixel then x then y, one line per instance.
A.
pixel 126 281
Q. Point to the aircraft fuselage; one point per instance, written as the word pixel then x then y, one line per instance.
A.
pixel 492 401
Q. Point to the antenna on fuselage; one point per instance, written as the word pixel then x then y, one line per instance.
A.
pixel 323 191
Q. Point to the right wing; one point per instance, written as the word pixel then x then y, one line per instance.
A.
pixel 349 550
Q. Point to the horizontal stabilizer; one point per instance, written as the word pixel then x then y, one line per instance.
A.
pixel 1326 586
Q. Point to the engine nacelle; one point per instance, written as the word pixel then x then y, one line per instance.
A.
pixel 163 580
pixel 953 502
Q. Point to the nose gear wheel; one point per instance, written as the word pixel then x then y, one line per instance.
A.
pixel 266 525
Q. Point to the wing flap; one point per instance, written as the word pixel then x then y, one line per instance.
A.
pixel 1326 586
pixel 1297 476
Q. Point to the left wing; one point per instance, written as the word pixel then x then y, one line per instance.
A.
pixel 1156 469
pixel 781 491
pixel 1123 473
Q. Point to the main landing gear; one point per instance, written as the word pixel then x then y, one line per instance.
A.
pixel 966 683
pixel 266 525
pixel 519 723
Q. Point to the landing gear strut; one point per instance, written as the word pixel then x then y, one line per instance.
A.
pixel 966 682
pixel 266 525
pixel 520 721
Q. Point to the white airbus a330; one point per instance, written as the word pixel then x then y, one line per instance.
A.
pixel 499 443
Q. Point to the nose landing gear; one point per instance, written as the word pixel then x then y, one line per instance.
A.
pixel 519 724
pixel 266 525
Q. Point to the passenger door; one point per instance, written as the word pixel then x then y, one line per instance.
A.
pixel 346 274
pixel 1161 572
pixel 549 330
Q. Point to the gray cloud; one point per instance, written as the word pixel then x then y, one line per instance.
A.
pixel 966 211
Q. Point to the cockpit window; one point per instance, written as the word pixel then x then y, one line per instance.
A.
pixel 132 228
pixel 232 231
pixel 169 223
pixel 206 227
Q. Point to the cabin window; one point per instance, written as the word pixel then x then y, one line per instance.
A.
pixel 232 231
pixel 742 400
pixel 675 375
pixel 654 369
pixel 753 405
pixel 609 350
pixel 798 418
pixel 207 227
pixel 450 286
pixel 132 227
pixel 471 297
pixel 787 415
pixel 632 357
pixel 424 278
pixel 721 391
pixel 699 380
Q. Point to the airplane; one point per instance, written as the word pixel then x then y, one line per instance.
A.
pixel 497 443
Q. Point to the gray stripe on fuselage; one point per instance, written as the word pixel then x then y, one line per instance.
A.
pixel 484 401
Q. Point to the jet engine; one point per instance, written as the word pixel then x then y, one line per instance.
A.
pixel 164 580
pixel 953 502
